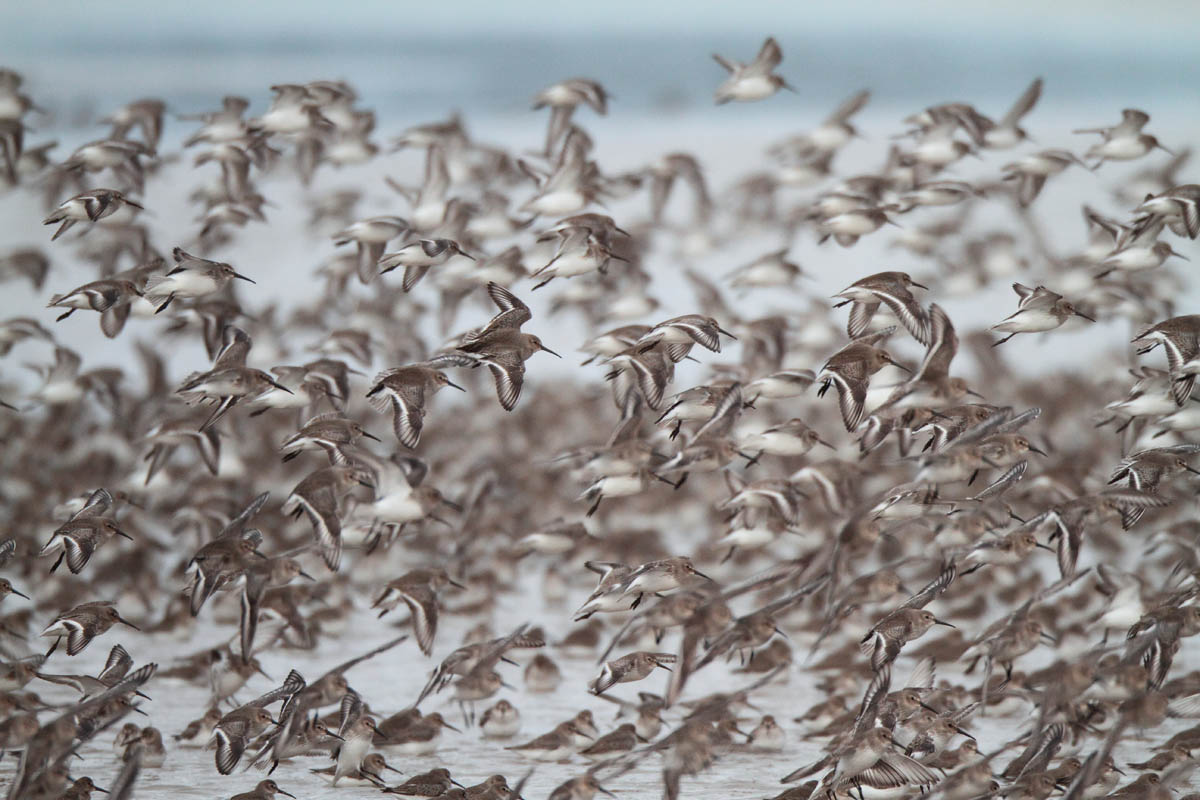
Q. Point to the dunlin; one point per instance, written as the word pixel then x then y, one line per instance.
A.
pixel 234 730
pixel 557 745
pixel 83 623
pixel 407 390
pixel 578 253
pixel 562 99
pixel 680 333
pixel 148 749
pixel 192 277
pixel 583 787
pixel 264 790
pixel 91 206
pixel 754 81
pixel 891 289
pixel 501 721
pixel 319 496
pixel 111 297
pixel 791 438
pixel 1039 310
pixel 200 730
pixel 767 736
pixel 421 738
pixel 1007 132
pixel 503 347
pixel 257 578
pixel 420 257
pixel 628 668
pixel 370 772
pixel 1125 140
pixel 849 370
pixel 357 737
pixel 168 435
pixel 116 667
pixel 417 589
pixel 371 236
pixel 328 432
pixel 1178 207
pixel 428 784
pixel 542 674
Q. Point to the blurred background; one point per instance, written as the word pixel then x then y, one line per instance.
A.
pixel 413 58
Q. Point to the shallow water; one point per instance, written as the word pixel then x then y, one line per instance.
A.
pixel 392 680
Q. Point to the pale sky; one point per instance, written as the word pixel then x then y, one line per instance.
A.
pixel 1082 21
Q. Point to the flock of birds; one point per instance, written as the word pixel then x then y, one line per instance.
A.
pixel 1034 530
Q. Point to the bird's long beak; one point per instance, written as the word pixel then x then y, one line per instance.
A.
pixel 1036 449
pixel 371 436
pixel 453 582
pixel 286 794
pixel 1191 469
pixel 827 444
pixel 919 285
pixel 467 255
pixel 551 352
pixel 451 727
pixel 974 393
pixel 276 384
pixel 120 532
pixel 124 621
pixel 98 789
pixel 700 574
pixel 1085 316
pixel 1178 254
pixel 129 202
pixel 602 790
pixel 1044 547
pixel 258 668
pixel 455 385
pixel 20 594
pixel 339 738
pixel 943 622
pixel 242 277
pixel 305 575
